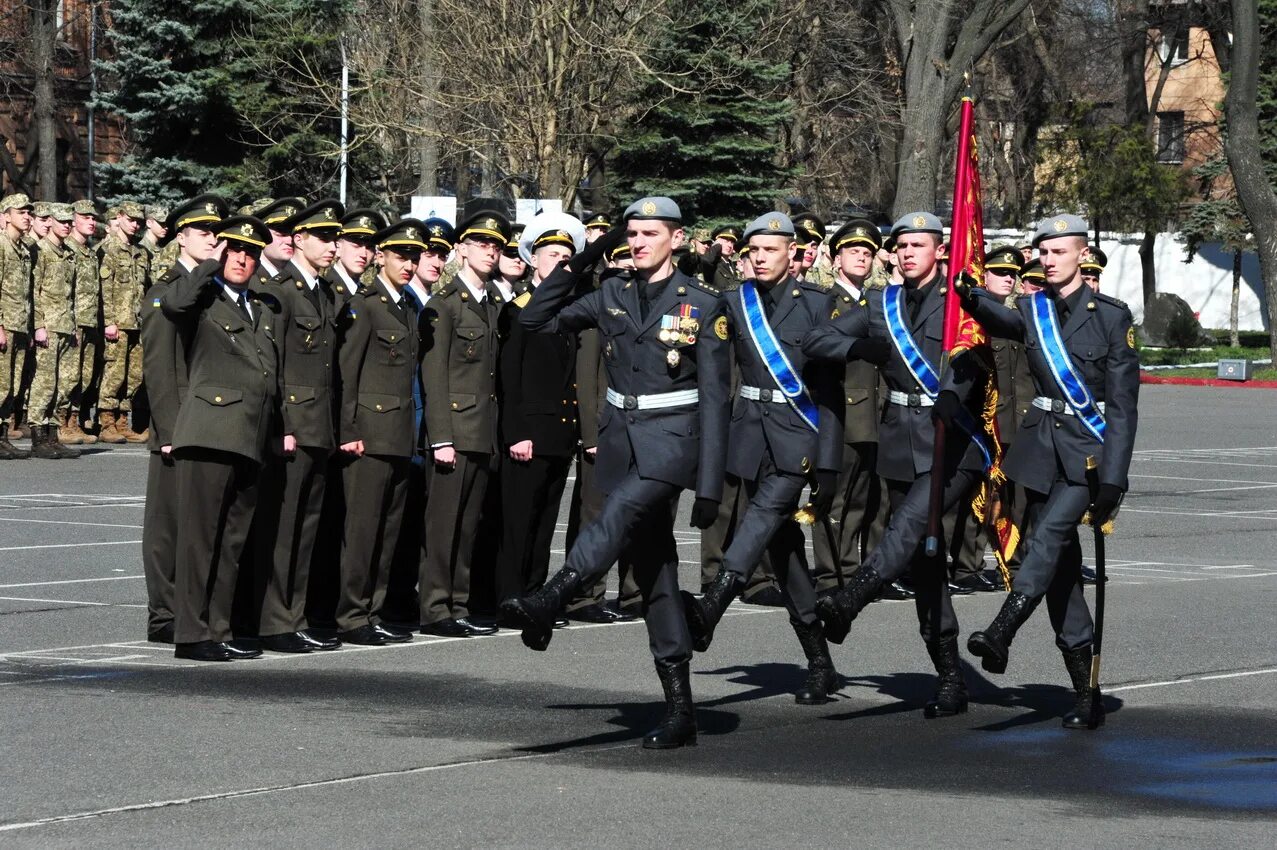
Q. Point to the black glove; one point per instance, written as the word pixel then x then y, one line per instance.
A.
pixel 964 284
pixel 709 261
pixel 689 264
pixel 1105 504
pixel 704 512
pixel 871 350
pixel 596 250
pixel 822 491
pixel 947 408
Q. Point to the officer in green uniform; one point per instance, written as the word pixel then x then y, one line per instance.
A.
pixel 1073 450
pixel 222 431
pixel 859 511
pixel 355 252
pixel 459 374
pixel 88 318
pixel 297 475
pixel 15 312
pixel 1093 266
pixel 123 267
pixel 280 250
pixel 164 368
pixel 377 428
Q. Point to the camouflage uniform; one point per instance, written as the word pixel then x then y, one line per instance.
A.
pixel 15 318
pixel 123 270
pixel 57 364
pixel 87 296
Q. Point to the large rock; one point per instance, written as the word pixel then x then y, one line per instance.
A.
pixel 1169 323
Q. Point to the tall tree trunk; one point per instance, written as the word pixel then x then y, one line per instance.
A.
pixel 1258 200
pixel 1133 22
pixel 428 146
pixel 44 32
pixel 1233 339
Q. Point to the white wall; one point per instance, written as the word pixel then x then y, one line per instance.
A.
pixel 1206 283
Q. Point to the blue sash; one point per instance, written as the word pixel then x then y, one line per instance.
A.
pixel 773 356
pixel 921 369
pixel 1069 382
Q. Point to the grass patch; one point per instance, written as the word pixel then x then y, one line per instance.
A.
pixel 1175 356
pixel 1266 373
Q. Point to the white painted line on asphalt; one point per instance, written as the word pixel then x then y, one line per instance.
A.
pixel 73 602
pixel 1211 678
pixel 296 786
pixel 1262 514
pixel 68 522
pixel 68 545
pixel 137 503
pixel 1205 462
pixel 68 581
pixel 1198 480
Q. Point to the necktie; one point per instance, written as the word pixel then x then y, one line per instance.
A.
pixel 242 301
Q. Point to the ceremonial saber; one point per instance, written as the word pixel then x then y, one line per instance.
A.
pixel 1097 642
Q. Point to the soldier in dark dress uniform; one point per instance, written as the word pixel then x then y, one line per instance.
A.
pixel 164 371
pixel 222 432
pixel 666 347
pixel 899 319
pixel 785 426
pixel 1073 450
pixel 538 418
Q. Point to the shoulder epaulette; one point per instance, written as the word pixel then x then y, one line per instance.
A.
pixel 815 287
pixel 702 285
pixel 522 300
pixel 1117 302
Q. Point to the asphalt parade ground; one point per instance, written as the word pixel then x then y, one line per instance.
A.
pixel 108 741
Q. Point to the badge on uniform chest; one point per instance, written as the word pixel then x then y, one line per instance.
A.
pixel 681 326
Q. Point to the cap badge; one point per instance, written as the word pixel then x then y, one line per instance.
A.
pixel 491 223
pixel 649 208
pixel 365 221
pixel 411 233
pixel 1060 225
pixel 210 208
pixel 246 229
pixel 773 224
pixel 436 231
pixel 919 221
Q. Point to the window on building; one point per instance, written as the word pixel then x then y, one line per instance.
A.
pixel 1173 45
pixel 1170 137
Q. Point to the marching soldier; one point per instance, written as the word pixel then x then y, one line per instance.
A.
pixel 123 268
pixel 222 431
pixel 56 357
pixel 587 500
pixel 88 319
pixel 379 356
pixel 15 313
pixel 1073 451
pixel 784 428
pixel 900 330
pixel 538 418
pixel 665 342
pixel 459 374
pixel 296 477
pixel 858 513
pixel 164 368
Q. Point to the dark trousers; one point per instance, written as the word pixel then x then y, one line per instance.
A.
pixel 637 525
pixel 376 487
pixel 159 540
pixel 403 604
pixel 965 538
pixel 217 494
pixel 768 526
pixel 452 518
pixel 1052 565
pixel 531 492
pixel 900 550
pixel 587 504
pixel 716 539
pixel 857 517
pixel 323 587
pixel 287 522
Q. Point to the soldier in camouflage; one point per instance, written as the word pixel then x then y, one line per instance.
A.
pixel 15 311
pixel 55 353
pixel 87 295
pixel 123 267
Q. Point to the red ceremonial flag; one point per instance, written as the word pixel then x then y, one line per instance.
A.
pixel 963 334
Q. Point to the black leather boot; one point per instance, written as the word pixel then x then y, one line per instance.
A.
pixel 63 450
pixel 703 614
pixel 1088 711
pixel 678 728
pixel 951 692
pixel 536 613
pixel 8 451
pixel 992 646
pixel 837 610
pixel 822 678
pixel 40 445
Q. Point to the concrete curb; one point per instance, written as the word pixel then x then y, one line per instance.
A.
pixel 1147 378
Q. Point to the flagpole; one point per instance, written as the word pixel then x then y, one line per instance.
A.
pixel 957 261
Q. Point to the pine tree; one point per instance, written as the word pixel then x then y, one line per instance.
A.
pixel 712 150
